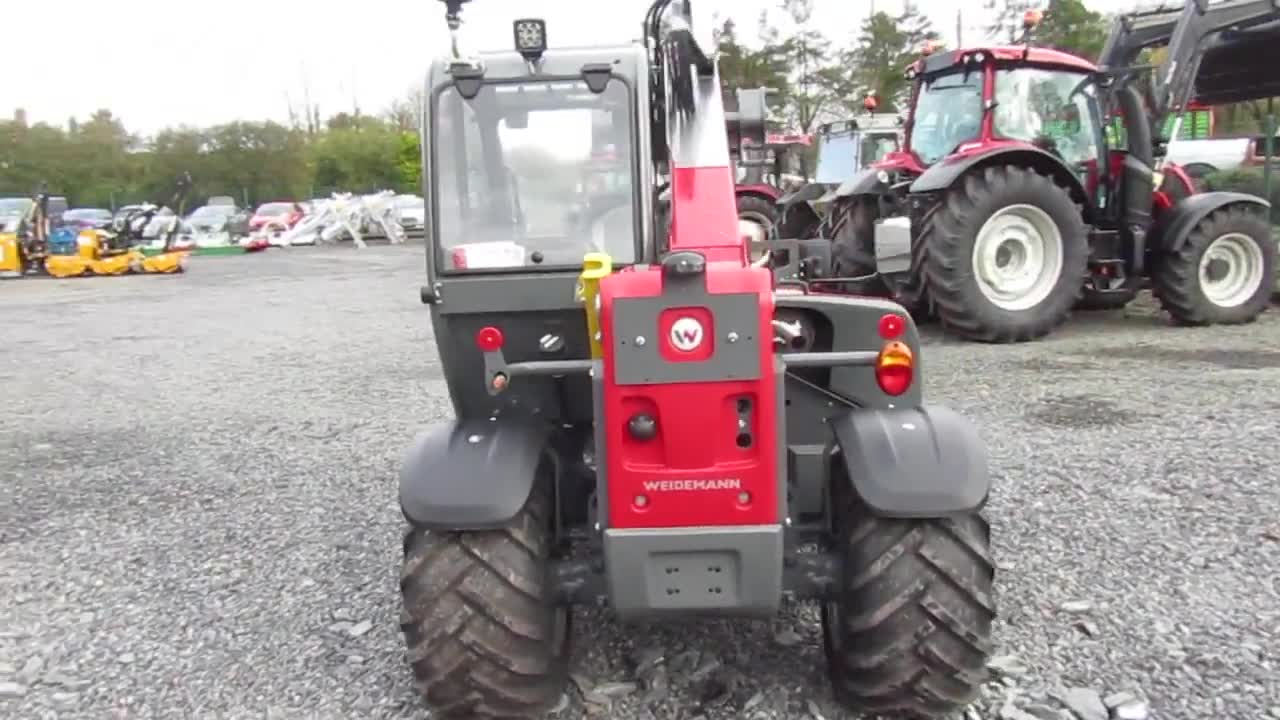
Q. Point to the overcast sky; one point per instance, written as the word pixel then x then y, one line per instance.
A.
pixel 164 63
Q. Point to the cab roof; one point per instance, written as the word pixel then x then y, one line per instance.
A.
pixel 1036 56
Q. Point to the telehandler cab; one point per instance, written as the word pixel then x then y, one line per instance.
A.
pixel 652 400
pixel 1007 206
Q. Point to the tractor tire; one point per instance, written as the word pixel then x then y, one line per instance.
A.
pixel 484 636
pixel 1234 241
pixel 853 250
pixel 758 210
pixel 854 254
pixel 910 632
pixel 1047 224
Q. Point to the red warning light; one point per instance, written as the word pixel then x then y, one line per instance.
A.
pixel 489 339
pixel 891 326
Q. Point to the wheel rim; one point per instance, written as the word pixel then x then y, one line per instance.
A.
pixel 755 226
pixel 1017 257
pixel 1231 270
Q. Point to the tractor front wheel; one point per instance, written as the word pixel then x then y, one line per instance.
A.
pixel 1005 256
pixel 484 636
pixel 1224 272
pixel 910 632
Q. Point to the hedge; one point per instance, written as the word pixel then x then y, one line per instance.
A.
pixel 1248 181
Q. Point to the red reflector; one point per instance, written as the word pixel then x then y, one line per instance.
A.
pixel 459 258
pixel 489 339
pixel 891 326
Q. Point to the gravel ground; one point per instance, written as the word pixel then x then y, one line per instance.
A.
pixel 200 512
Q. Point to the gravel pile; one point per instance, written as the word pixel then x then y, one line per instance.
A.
pixel 200 512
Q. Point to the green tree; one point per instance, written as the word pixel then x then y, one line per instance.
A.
pixel 746 67
pixel 814 80
pixel 1071 27
pixel 409 163
pixel 359 159
pixel 1066 25
pixel 885 46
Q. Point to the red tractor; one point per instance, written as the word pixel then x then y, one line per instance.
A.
pixel 765 172
pixel 1007 206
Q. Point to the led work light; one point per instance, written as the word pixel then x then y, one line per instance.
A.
pixel 531 37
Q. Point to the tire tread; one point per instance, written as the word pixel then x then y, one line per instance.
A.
pixel 478 619
pixel 945 249
pixel 1176 280
pixel 916 630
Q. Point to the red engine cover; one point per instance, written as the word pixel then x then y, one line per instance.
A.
pixel 692 380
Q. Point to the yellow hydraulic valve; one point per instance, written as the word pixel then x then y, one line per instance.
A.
pixel 595 266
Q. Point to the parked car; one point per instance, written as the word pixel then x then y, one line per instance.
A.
pixel 210 218
pixel 413 213
pixel 222 201
pixel 12 212
pixel 87 218
pixel 289 212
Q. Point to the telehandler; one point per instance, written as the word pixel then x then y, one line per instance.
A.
pixel 628 386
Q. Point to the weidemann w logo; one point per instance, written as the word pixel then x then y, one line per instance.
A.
pixel 692 485
pixel 686 334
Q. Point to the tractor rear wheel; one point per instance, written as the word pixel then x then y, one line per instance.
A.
pixel 910 632
pixel 1005 256
pixel 484 636
pixel 854 252
pixel 1223 274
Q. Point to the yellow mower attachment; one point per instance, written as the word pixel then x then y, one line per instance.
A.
pixel 92 258
pixel 10 258
pixel 169 262
pixel 595 266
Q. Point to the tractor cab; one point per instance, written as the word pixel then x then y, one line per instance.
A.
pixel 844 148
pixel 963 101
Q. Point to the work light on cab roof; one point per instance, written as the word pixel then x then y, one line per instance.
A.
pixel 531 37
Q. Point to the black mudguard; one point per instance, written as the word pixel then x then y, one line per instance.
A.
pixel 943 175
pixel 806 194
pixel 866 182
pixel 914 462
pixel 1176 224
pixel 471 474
